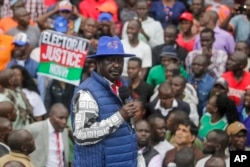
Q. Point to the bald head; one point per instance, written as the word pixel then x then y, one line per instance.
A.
pixel 14 164
pixel 165 87
pixel 241 56
pixel 213 16
pixel 19 11
pixel 185 157
pixel 215 162
pixel 17 140
pixel 7 110
pixel 5 76
pixel 56 108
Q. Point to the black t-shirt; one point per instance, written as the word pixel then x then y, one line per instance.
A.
pixel 144 91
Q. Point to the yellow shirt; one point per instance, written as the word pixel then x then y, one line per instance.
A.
pixel 24 159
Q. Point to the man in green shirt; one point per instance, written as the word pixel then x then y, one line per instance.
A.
pixel 156 74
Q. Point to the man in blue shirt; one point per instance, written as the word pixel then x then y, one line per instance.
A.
pixel 201 80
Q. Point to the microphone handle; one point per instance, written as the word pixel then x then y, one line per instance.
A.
pixel 131 120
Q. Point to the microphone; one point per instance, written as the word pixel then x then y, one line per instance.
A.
pixel 124 95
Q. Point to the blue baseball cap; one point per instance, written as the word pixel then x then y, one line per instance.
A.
pixel 169 51
pixel 21 39
pixel 110 46
pixel 61 24
pixel 105 17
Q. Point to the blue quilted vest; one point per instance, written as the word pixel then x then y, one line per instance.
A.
pixel 118 149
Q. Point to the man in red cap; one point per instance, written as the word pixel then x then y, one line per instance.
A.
pixel 186 38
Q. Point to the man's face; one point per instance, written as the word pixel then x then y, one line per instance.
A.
pixel 186 26
pixel 59 119
pixel 89 28
pixel 111 67
pixel 166 98
pixel 132 30
pixel 183 135
pixel 133 69
pixel 210 144
pixel 171 122
pixel 165 61
pixel 198 66
pixel 247 98
pixel 158 130
pixel 171 70
pixel 217 89
pixel 21 52
pixel 142 9
pixel 238 140
pixel 204 19
pixel 23 18
pixel 241 46
pixel 142 133
pixel 196 7
pixel 207 40
pixel 5 130
pixel 170 36
pixel 233 63
pixel 178 86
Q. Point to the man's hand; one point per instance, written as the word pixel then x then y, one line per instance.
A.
pixel 128 111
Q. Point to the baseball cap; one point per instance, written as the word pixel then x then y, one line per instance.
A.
pixel 65 5
pixel 222 82
pixel 105 17
pixel 169 51
pixel 21 39
pixel 235 128
pixel 186 16
pixel 61 24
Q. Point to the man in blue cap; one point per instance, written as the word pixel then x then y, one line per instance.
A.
pixel 102 133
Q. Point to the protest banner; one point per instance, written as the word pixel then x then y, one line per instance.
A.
pixel 62 56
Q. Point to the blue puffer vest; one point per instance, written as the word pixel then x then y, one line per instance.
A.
pixel 118 149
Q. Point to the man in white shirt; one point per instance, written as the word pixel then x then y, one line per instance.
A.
pixel 158 134
pixel 51 139
pixel 151 156
pixel 139 48
pixel 151 31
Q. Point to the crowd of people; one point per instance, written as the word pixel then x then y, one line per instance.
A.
pixel 165 83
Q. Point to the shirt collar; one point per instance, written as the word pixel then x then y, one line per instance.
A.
pixel 50 126
pixel 158 105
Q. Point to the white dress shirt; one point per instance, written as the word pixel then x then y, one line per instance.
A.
pixel 53 158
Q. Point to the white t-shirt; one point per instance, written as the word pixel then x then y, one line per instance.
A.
pixel 152 28
pixel 202 161
pixel 163 147
pixel 36 102
pixel 142 50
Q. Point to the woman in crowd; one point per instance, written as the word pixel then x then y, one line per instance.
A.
pixel 221 111
pixel 29 88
